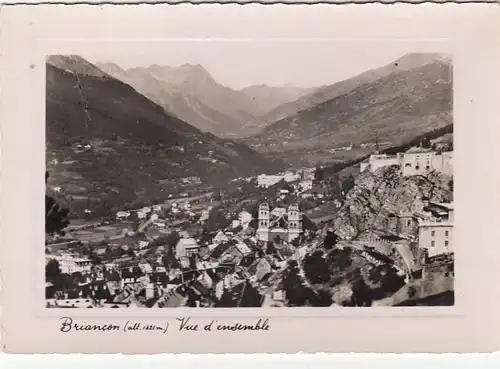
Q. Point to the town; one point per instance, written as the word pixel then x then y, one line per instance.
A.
pixel 278 241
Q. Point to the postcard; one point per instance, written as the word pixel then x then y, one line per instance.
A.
pixel 249 179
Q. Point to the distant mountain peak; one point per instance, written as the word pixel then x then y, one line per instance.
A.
pixel 76 64
pixel 110 66
pixel 415 60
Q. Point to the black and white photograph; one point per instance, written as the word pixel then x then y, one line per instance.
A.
pixel 249 174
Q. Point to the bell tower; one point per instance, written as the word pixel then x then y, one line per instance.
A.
pixel 294 222
pixel 263 229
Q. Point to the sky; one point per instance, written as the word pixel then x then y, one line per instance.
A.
pixel 241 63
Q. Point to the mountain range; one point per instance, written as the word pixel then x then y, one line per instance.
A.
pixel 104 137
pixel 192 94
pixel 395 103
pixel 325 93
pixel 146 125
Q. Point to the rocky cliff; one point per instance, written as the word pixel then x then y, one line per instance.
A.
pixel 378 198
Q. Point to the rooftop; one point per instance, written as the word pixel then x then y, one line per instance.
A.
pixel 418 150
pixel 188 242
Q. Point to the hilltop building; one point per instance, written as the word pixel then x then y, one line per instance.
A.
pixel 277 225
pixel 377 161
pixel 419 161
pixel 415 161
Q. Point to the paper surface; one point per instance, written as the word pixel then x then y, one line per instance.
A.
pixel 224 39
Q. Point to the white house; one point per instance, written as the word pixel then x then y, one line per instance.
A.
pixel 265 180
pixel 415 161
pixel 186 247
pixel 291 177
pixel 436 236
pixel 306 185
pixel 245 218
pixel 146 268
pixel 143 244
pixel 378 161
pixel 70 263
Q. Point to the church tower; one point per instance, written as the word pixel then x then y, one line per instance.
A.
pixel 263 229
pixel 294 222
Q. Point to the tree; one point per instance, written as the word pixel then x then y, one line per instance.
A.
pixel 426 142
pixel 330 240
pixel 308 224
pixel 412 291
pixel 108 252
pixel 216 220
pixel 319 174
pixel 339 260
pixel 137 272
pixel 348 184
pixel 315 268
pixel 169 260
pixel 172 239
pixel 56 219
pixel 296 292
pixel 271 249
pixel 321 298
pixel 52 269
pixel 362 294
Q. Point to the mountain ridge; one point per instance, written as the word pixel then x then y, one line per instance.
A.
pixel 133 144
pixel 190 93
pixel 414 100
pixel 329 92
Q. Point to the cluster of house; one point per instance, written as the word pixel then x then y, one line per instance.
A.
pixel 343 148
pixel 152 212
pixel 415 161
pixel 209 269
pixel 140 213
pixel 304 177
pixel 278 225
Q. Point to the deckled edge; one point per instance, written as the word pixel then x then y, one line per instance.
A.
pixel 246 2
pixel 2 330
